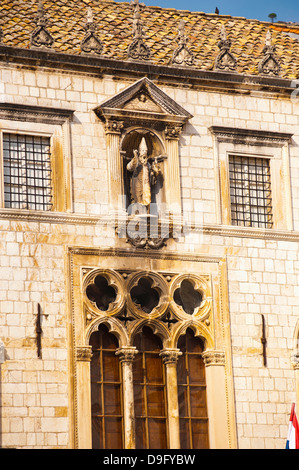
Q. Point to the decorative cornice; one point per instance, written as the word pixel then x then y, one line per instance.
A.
pixel 41 114
pixel 217 230
pixel 251 136
pixel 206 79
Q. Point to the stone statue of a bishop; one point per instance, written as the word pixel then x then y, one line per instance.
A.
pixel 144 175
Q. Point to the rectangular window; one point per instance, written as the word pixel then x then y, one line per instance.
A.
pixel 27 172
pixel 250 191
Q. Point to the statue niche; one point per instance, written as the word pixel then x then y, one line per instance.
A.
pixel 143 172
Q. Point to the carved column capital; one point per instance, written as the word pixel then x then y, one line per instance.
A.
pixel 84 353
pixel 126 354
pixel 214 358
pixel 173 132
pixel 170 356
pixel 295 361
pixel 113 126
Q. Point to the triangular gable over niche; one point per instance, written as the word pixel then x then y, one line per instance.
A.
pixel 143 100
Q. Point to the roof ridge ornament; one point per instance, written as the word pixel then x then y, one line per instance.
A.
pixel 40 36
pixel 182 55
pixel 269 65
pixel 138 50
pixel 225 59
pixel 91 43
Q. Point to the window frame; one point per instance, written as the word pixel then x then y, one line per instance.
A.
pixel 256 157
pixel 25 133
pixel 257 144
pixel 45 122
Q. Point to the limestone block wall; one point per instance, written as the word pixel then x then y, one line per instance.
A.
pixel 262 271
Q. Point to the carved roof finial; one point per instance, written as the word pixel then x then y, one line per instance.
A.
pixel 89 15
pixel 41 37
pixel 268 41
pixel 138 49
pixel 269 65
pixel 225 59
pixel 182 55
pixel 223 34
pixel 91 43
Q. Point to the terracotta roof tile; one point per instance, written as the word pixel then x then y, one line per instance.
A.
pixel 67 18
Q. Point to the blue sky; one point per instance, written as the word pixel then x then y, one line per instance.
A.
pixel 286 10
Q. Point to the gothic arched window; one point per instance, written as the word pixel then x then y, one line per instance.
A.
pixel 149 393
pixel 192 393
pixel 106 391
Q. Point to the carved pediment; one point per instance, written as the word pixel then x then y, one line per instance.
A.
pixel 143 100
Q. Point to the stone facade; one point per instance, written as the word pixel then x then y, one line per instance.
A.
pixel 43 253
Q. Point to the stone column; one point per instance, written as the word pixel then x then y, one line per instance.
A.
pixel 170 358
pixel 173 184
pixel 126 357
pixel 83 358
pixel 113 130
pixel 216 398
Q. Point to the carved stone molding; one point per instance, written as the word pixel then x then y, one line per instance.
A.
pixel 158 106
pixel 29 113
pixel 250 136
pixel 269 65
pixel 84 353
pixel 41 37
pixel 213 358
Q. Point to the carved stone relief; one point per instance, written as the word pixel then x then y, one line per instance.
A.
pixel 269 65
pixel 41 37
pixel 138 50
pixel 225 59
pixel 143 126
pixel 91 43
pixel 182 55
pixel 131 299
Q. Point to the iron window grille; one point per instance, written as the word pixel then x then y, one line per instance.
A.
pixel 250 192
pixel 27 172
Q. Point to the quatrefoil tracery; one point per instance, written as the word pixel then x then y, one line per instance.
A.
pixel 146 295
